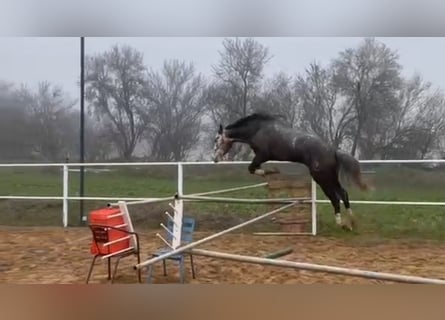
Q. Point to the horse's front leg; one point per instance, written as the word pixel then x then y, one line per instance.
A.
pixel 255 167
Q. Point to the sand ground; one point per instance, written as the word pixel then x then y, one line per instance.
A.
pixel 57 255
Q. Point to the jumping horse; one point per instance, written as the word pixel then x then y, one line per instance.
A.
pixel 272 140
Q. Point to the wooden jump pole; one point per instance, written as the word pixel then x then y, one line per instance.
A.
pixel 317 267
pixel 209 238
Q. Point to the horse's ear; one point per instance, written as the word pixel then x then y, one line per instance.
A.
pixel 220 130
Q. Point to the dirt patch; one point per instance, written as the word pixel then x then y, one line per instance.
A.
pixel 57 255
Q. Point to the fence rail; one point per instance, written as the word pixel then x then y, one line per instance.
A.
pixel 66 169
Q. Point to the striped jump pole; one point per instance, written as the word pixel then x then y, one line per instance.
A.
pixel 317 267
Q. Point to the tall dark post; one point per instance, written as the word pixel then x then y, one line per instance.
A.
pixel 82 125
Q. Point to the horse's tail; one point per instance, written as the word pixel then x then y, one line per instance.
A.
pixel 349 165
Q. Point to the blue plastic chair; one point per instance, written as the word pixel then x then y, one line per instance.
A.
pixel 188 227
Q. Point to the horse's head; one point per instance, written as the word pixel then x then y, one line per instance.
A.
pixel 222 144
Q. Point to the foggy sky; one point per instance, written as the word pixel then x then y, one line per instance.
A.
pixel 29 60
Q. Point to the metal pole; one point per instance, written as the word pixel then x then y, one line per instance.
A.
pixel 317 267
pixel 82 126
pixel 142 201
pixel 239 200
pixel 230 189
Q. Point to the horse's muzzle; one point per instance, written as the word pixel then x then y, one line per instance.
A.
pixel 217 156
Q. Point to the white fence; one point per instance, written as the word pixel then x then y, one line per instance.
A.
pixel 64 197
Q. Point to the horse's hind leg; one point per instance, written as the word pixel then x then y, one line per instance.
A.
pixel 330 191
pixel 345 198
pixel 335 201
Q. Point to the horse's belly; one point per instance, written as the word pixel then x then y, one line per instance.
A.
pixel 285 152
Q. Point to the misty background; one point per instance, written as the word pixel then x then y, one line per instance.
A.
pixel 161 99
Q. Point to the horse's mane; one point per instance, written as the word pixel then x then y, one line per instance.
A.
pixel 257 116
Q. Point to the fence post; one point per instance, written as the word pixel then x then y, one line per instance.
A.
pixel 179 207
pixel 65 196
pixel 314 207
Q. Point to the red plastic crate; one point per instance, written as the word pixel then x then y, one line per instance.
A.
pixel 102 217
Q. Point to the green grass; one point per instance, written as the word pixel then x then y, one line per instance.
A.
pixel 392 183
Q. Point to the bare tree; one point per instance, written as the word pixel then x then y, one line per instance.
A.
pixel 15 140
pixel 323 111
pixel 397 139
pixel 115 83
pixel 51 125
pixel 223 99
pixel 238 78
pixel 369 78
pixel 98 142
pixel 430 124
pixel 241 65
pixel 175 96
pixel 280 98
